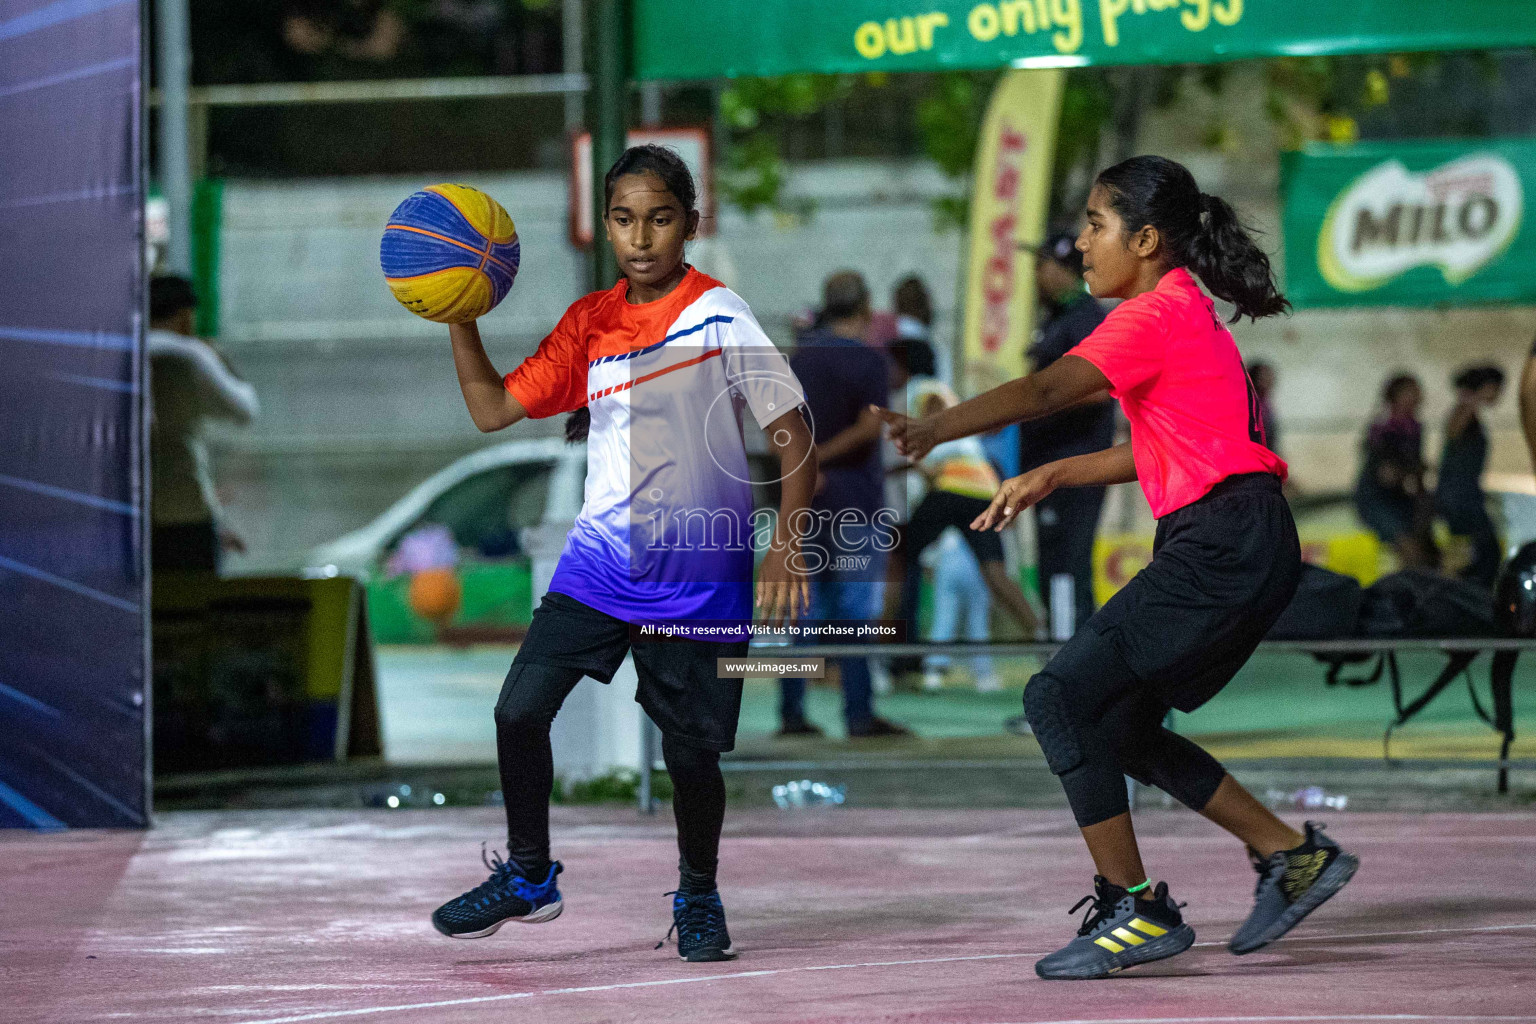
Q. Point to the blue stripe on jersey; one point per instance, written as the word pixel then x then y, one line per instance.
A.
pixel 718 319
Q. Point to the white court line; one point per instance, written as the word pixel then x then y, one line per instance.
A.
pixel 505 996
pixel 327 1014
pixel 1277 1020
pixel 1373 935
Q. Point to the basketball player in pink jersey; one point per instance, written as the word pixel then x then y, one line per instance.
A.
pixel 1226 559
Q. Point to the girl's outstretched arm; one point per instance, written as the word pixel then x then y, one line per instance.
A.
pixel 491 405
pixel 1110 466
pixel 1066 382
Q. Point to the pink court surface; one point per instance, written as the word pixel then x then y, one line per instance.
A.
pixel 843 915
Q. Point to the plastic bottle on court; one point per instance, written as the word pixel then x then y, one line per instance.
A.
pixel 1313 798
pixel 1308 798
pixel 396 797
pixel 806 793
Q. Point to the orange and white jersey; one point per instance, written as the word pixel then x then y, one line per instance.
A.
pixel 665 530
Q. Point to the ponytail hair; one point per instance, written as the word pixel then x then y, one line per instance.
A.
pixel 577 424
pixel 1198 230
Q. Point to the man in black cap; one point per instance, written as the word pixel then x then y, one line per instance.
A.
pixel 1067 520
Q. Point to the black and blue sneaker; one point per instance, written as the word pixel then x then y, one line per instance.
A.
pixel 1292 884
pixel 505 896
pixel 699 920
pixel 1120 931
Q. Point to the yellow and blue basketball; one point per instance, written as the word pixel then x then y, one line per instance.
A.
pixel 449 253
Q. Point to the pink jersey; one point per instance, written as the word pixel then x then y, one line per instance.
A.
pixel 1174 367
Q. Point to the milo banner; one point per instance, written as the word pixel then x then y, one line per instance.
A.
pixel 1008 208
pixel 1410 224
pixel 711 39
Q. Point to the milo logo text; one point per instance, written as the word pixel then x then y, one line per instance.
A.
pixel 1457 217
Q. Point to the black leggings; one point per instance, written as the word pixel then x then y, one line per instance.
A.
pixel 1223 569
pixel 530 697
pixel 1097 722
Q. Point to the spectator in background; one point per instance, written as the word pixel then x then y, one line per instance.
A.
pixel 961 483
pixel 1068 519
pixel 1390 497
pixel 911 322
pixel 1262 374
pixel 914 322
pixel 959 590
pixel 190 384
pixel 1459 489
pixel 843 377
pixel 1528 403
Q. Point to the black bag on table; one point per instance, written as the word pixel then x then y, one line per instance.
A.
pixel 1405 604
pixel 1418 603
pixel 1410 604
pixel 1326 607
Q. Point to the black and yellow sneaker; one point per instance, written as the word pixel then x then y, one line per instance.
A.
pixel 1120 931
pixel 1292 884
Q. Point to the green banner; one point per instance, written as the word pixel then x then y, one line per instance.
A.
pixel 1410 223
pixel 730 38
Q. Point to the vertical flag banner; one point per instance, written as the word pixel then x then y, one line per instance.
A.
pixel 74 699
pixel 1009 202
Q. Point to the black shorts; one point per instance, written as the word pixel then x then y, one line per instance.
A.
pixel 678 685
pixel 1223 569
pixel 940 510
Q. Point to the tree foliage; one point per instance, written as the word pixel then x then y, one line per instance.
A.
pixel 1393 95
pixel 947 110
pixel 1336 99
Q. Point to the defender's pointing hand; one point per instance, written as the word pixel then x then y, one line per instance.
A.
pixel 913 438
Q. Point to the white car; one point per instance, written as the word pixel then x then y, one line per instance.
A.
pixel 486 498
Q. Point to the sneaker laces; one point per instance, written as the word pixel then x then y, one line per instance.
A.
pixel 1097 914
pixel 700 914
pixel 494 861
pixel 1103 909
pixel 1265 866
pixel 503 874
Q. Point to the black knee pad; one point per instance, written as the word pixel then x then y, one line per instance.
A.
pixel 1045 707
